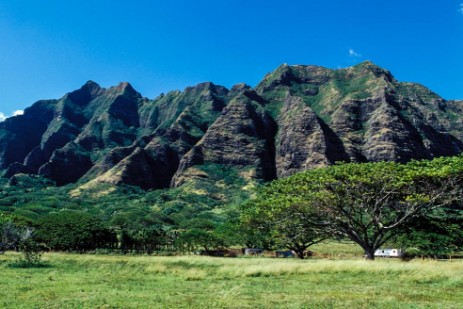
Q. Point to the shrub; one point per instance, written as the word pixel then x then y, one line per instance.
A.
pixel 31 254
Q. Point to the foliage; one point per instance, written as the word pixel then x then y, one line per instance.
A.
pixel 74 230
pixel 143 222
pixel 438 234
pixel 31 254
pixel 292 213
pixel 196 238
pixel 13 236
pixel 295 227
pixel 10 235
pixel 367 203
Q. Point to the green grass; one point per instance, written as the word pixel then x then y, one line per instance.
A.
pixel 92 281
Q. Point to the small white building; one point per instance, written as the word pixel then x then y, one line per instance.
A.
pixel 253 251
pixel 396 253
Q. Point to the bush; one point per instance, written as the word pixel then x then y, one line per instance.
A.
pixel 31 254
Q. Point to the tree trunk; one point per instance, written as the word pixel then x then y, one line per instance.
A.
pixel 370 255
pixel 299 250
pixel 300 254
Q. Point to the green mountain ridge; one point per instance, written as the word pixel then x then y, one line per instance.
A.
pixel 298 117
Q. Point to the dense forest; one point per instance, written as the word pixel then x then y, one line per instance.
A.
pixel 417 206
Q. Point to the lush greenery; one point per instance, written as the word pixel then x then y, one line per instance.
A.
pixel 97 281
pixel 104 217
pixel 70 230
pixel 370 204
pixel 91 140
pixel 14 237
pixel 415 206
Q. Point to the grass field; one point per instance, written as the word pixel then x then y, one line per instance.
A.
pixel 98 281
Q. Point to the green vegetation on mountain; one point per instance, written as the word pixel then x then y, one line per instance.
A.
pixel 154 172
pixel 298 117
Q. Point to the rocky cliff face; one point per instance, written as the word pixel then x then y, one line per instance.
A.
pixel 297 118
pixel 246 143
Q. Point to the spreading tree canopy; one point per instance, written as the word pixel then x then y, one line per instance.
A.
pixel 367 203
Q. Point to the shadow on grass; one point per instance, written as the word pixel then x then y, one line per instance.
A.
pixel 23 264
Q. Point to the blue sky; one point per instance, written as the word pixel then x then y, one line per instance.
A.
pixel 48 48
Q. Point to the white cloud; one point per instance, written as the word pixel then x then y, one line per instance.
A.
pixel 461 8
pixel 353 53
pixel 15 113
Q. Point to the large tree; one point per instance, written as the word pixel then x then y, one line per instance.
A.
pixel 283 223
pixel 367 203
pixel 72 230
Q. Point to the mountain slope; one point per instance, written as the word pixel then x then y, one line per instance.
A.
pixel 298 117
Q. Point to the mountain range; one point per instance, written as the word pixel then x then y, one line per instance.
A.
pixel 298 117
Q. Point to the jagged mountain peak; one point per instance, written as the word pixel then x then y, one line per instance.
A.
pixel 298 117
pixel 89 91
pixel 287 74
pixel 123 89
pixel 91 86
pixel 378 71
pixel 205 89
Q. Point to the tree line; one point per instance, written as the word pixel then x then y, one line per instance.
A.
pixel 79 231
pixel 414 205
